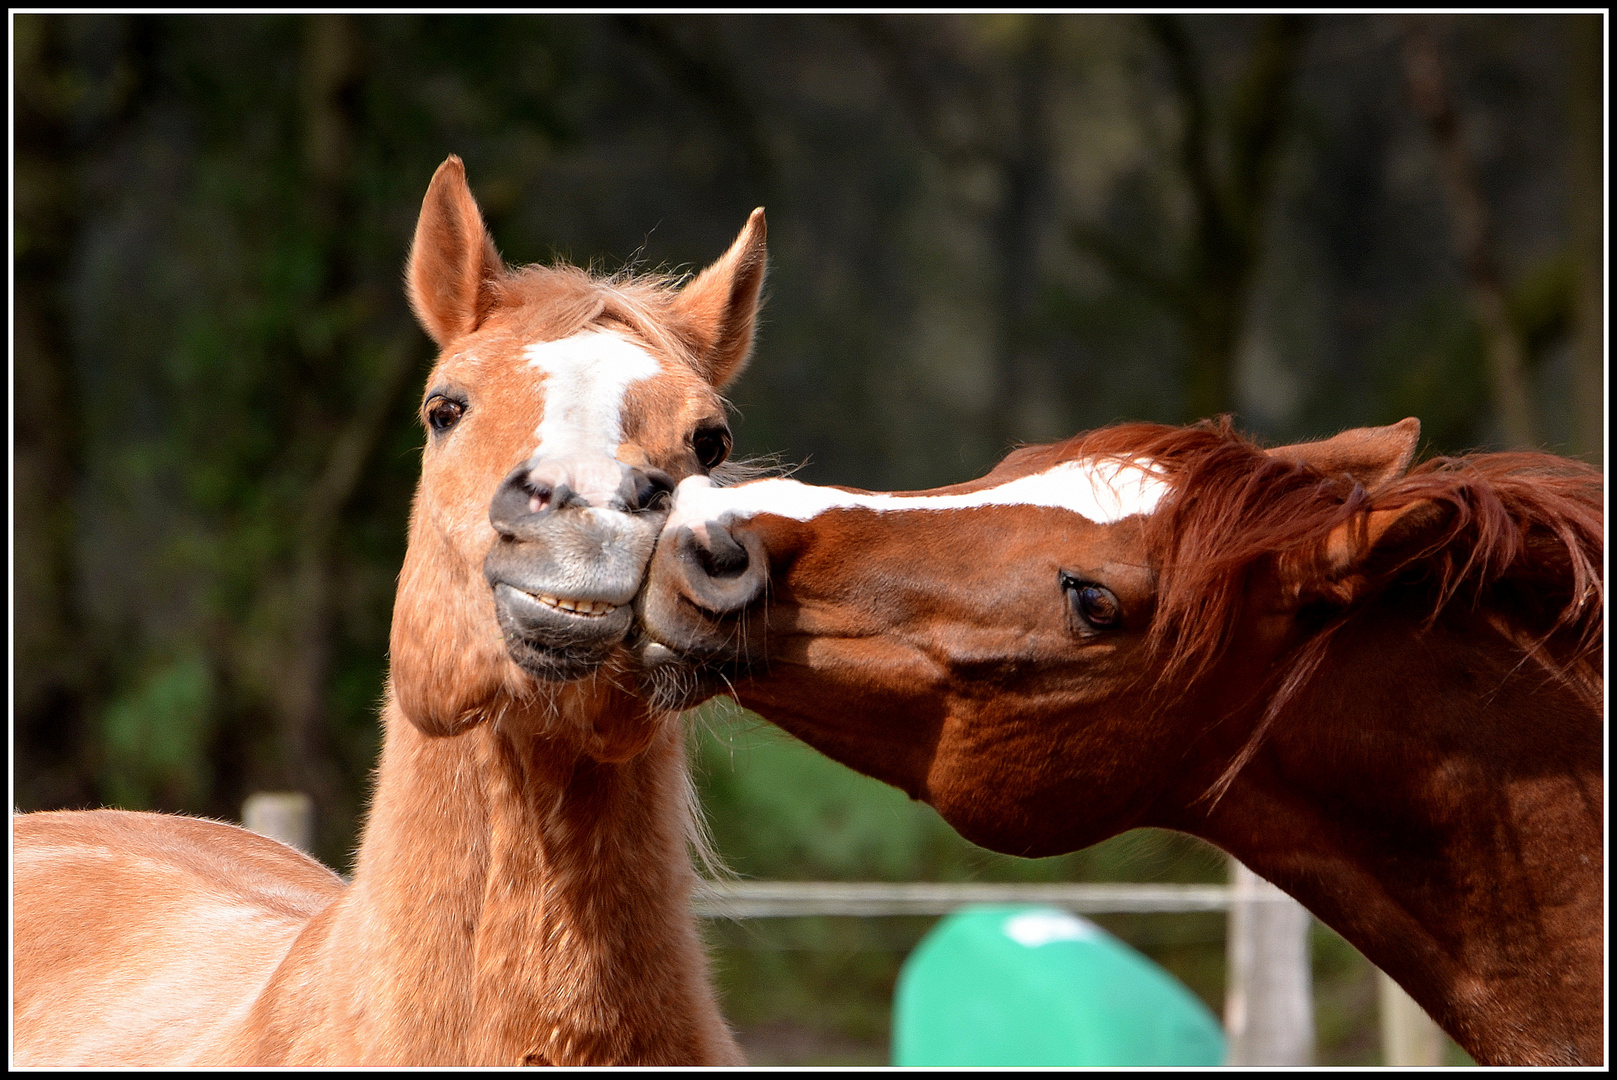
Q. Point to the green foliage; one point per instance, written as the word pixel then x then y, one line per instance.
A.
pixel 1429 364
pixel 779 810
pixel 156 738
pixel 1542 304
pixel 1346 1010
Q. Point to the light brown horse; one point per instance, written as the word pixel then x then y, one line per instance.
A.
pixel 521 893
pixel 1378 687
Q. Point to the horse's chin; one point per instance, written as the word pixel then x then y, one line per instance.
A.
pixel 553 665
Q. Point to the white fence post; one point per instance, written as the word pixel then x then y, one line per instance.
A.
pixel 1408 1035
pixel 287 816
pixel 1269 996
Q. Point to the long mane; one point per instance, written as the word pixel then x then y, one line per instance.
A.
pixel 1520 540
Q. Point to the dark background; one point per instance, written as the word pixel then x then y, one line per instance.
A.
pixel 984 230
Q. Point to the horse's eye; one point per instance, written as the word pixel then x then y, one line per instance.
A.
pixel 1096 605
pixel 443 413
pixel 712 446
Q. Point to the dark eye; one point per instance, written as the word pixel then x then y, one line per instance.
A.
pixel 443 413
pixel 712 446
pixel 1096 605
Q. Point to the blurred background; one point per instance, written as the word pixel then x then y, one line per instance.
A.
pixel 983 231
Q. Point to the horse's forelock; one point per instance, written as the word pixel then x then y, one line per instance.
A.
pixel 572 300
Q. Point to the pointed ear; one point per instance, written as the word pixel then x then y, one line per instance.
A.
pixel 1384 539
pixel 453 265
pixel 720 308
pixel 1371 455
pixel 1360 553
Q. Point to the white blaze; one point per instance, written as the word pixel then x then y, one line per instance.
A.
pixel 585 379
pixel 1103 491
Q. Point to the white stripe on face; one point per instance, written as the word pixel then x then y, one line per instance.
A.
pixel 1102 491
pixel 585 379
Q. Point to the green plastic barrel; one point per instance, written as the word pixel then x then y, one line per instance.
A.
pixel 1005 985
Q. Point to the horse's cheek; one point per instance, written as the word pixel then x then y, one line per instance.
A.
pixel 446 656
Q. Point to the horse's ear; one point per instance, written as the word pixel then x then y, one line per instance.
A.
pixel 1371 455
pixel 1364 550
pixel 720 308
pixel 453 266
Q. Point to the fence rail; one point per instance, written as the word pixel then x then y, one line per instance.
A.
pixel 792 899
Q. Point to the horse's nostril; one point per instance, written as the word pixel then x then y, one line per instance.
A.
pixel 653 489
pixel 715 571
pixel 721 556
pixel 520 498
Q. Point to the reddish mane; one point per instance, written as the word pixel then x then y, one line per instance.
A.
pixel 1519 536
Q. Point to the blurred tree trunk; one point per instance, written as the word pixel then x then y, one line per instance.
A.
pixel 1210 290
pixel 330 72
pixel 1585 112
pixel 939 89
pixel 60 670
pixel 1473 233
pixel 702 70
pixel 49 692
pixel 1019 225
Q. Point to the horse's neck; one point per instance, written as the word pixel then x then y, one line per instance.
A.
pixel 515 901
pixel 1440 803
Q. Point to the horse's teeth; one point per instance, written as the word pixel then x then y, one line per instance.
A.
pixel 577 607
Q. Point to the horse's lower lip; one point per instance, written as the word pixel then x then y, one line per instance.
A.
pixel 553 642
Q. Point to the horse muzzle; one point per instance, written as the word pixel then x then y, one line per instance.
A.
pixel 702 608
pixel 565 572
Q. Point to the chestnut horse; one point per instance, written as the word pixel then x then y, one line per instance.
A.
pixel 521 893
pixel 1380 688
